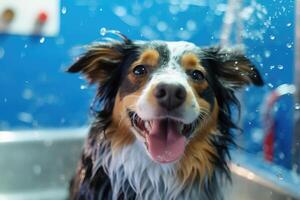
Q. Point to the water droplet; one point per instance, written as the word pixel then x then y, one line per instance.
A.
pixel 272 37
pixel 64 10
pixel 103 31
pixel 297 106
pixel 280 67
pixel 272 67
pixel 191 25
pixel 289 24
pixel 42 40
pixel 270 85
pixel 162 26
pixel 83 87
pixel 289 45
pixel 181 28
pixel 120 11
pixel 25 46
pixel 101 9
pixel 25 117
pixel 267 54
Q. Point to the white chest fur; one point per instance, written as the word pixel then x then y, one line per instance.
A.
pixel 150 180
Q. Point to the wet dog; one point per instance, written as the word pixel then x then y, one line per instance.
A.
pixel 163 119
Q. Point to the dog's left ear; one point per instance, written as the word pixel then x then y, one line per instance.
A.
pixel 232 67
pixel 102 59
pixel 99 62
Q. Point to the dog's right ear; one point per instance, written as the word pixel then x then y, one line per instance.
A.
pixel 99 62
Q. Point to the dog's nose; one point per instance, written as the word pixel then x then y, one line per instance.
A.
pixel 170 96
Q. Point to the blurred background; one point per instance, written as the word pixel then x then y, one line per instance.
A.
pixel 42 107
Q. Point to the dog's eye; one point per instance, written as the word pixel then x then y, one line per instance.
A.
pixel 196 75
pixel 139 70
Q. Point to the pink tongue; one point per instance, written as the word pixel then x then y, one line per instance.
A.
pixel 165 143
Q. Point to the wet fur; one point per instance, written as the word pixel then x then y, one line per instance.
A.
pixel 103 171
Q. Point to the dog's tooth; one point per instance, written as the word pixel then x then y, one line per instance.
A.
pixel 147 125
pixel 150 126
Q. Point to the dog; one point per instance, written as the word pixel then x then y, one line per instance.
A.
pixel 163 119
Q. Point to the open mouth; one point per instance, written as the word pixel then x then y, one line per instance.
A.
pixel 165 137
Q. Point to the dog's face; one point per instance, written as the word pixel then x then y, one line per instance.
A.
pixel 166 98
pixel 166 95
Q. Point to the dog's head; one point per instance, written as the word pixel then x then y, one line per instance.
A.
pixel 171 96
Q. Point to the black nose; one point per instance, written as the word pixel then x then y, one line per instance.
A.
pixel 170 96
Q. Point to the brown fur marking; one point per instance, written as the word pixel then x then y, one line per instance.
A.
pixel 149 57
pixel 190 61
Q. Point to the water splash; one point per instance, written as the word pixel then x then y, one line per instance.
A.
pixel 103 31
pixel 270 85
pixel 280 67
pixel 251 15
pixel 289 45
pixel 64 10
pixel 42 40
pixel 267 53
pixel 83 87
